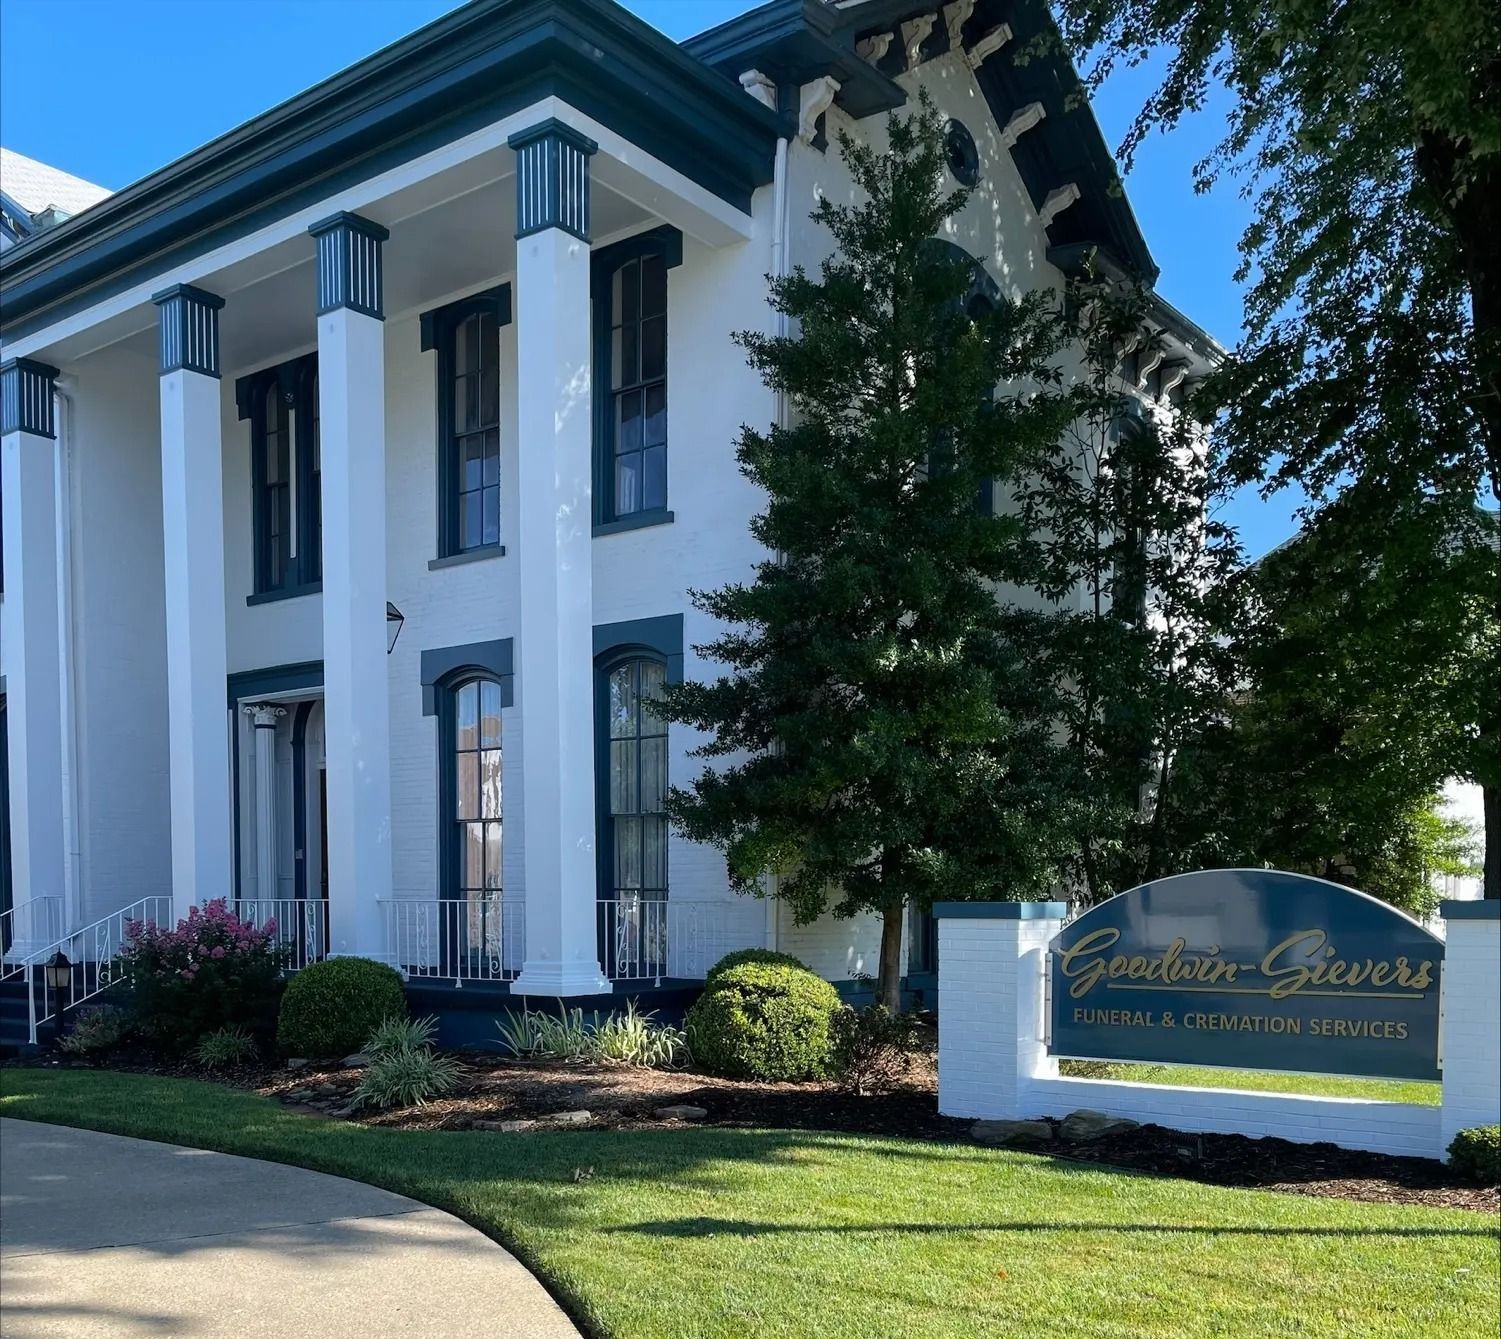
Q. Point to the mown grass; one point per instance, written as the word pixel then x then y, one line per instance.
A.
pixel 707 1233
pixel 1270 1081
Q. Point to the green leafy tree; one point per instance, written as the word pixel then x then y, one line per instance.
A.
pixel 860 744
pixel 1369 135
pixel 1120 603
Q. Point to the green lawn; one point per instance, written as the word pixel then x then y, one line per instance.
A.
pixel 711 1233
pixel 1271 1081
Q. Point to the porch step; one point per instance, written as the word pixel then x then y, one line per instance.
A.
pixel 15 1024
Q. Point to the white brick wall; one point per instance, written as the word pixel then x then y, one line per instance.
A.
pixel 1471 1026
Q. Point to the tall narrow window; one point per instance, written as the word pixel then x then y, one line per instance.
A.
pixel 274 490
pixel 636 817
pixel 310 478
pixel 466 335
pixel 474 815
pixel 638 384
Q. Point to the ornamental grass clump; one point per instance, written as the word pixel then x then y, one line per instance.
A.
pixel 405 1070
pixel 96 1033
pixel 226 1047
pixel 395 1035
pixel 213 971
pixel 630 1038
pixel 764 1021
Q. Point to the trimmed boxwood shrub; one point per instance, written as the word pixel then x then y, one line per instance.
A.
pixel 764 1021
pixel 1476 1154
pixel 331 1007
pixel 741 956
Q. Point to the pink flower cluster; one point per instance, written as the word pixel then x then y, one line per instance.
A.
pixel 210 933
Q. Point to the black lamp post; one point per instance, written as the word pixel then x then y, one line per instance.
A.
pixel 59 975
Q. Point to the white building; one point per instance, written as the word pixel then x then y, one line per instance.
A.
pixel 396 360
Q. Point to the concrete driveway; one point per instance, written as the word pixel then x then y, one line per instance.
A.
pixel 105 1236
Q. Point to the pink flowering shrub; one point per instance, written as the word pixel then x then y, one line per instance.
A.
pixel 213 971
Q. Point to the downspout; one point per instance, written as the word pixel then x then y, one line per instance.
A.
pixel 68 637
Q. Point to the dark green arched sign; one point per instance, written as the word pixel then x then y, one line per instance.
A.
pixel 1249 969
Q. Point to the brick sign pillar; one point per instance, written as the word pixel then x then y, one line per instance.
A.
pixel 991 1019
pixel 1471 1034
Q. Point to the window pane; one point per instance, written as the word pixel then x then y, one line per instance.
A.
pixel 492 857
pixel 627 350
pixel 469 417
pixel 471 526
pixel 472 466
pixel 624 794
pixel 490 518
pixel 627 485
pixel 653 682
pixel 491 472
pixel 490 783
pixel 489 704
pixel 654 477
pixel 466 717
pixel 628 287
pixel 474 855
pixel 654 432
pixel 623 702
pixel 467 346
pixel 654 854
pixel 628 422
pixel 627 852
pixel 653 286
pixel 653 348
pixel 489 370
pixel 653 775
pixel 466 785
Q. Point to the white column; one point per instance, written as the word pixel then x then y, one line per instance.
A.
pixel 28 478
pixel 554 550
pixel 263 716
pixel 1471 1028
pixel 352 437
pixel 991 1025
pixel 193 545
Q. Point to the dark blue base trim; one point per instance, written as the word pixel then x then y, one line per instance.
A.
pixel 1486 910
pixel 1001 911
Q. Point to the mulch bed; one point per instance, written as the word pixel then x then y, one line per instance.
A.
pixel 617 1097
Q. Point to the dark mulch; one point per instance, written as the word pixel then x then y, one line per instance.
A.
pixel 619 1097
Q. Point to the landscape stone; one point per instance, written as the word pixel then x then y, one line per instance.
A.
pixel 680 1111
pixel 328 1089
pixel 505 1126
pixel 1011 1131
pixel 1083 1125
pixel 569 1118
pixel 359 1060
pixel 297 1064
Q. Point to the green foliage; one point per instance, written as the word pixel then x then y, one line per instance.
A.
pixel 630 1038
pixel 224 1048
pixel 1369 138
pixel 872 1047
pixel 741 956
pixel 332 1007
pixel 1476 1154
pixel 399 1034
pixel 211 971
pixel 860 746
pixel 407 1077
pixel 96 1032
pixel 762 1021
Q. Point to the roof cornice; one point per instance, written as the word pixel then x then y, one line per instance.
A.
pixel 478 63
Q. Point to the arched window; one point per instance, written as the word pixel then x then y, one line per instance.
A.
pixel 471 810
pixel 635 787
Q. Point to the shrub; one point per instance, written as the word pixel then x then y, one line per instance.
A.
pixel 764 1021
pixel 741 956
pixel 212 971
pixel 227 1046
pixel 407 1078
pixel 872 1047
pixel 96 1032
pixel 1476 1154
pixel 400 1034
pixel 332 1007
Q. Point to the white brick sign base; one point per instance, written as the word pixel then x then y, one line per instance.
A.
pixel 993 1062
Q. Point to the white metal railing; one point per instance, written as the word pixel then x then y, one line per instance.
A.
pixel 299 926
pixel 92 953
pixel 38 920
pixel 477 938
pixel 651 939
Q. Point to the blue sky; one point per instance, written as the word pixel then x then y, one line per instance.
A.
pixel 112 89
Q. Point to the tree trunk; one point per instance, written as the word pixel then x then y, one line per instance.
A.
pixel 1492 877
pixel 889 983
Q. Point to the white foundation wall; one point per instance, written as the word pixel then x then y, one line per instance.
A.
pixel 123 826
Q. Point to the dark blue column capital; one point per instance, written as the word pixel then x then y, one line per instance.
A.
pixel 351 267
pixel 552 178
pixel 26 390
pixel 189 329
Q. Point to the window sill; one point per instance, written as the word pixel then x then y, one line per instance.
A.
pixel 285 593
pixel 635 521
pixel 468 556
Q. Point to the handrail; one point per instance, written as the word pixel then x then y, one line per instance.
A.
pixel 48 909
pixel 94 949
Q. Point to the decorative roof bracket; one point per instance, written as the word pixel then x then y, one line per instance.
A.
pixel 988 45
pixel 956 15
pixel 1059 199
pixel 761 87
pixel 873 49
pixel 813 100
pixel 1020 121
pixel 914 34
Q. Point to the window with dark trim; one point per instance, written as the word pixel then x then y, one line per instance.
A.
pixel 471 815
pixel 466 337
pixel 285 476
pixel 629 287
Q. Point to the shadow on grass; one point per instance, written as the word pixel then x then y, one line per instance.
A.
pixel 729 1227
